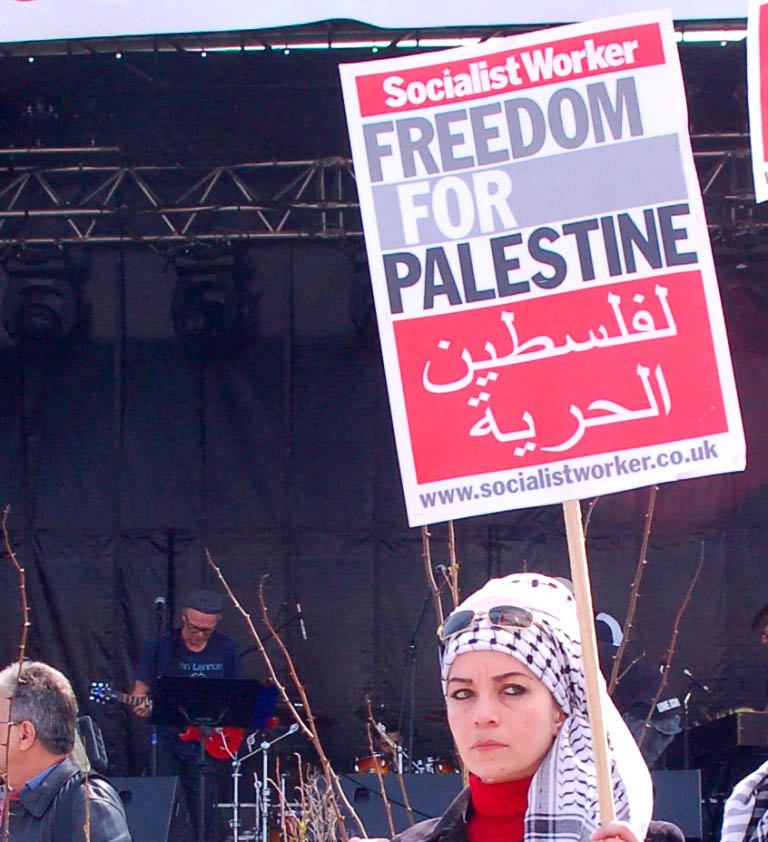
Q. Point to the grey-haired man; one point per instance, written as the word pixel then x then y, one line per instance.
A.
pixel 47 794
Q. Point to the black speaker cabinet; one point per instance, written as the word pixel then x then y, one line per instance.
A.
pixel 151 806
pixel 428 796
pixel 677 798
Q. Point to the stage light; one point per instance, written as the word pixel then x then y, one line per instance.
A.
pixel 40 305
pixel 206 300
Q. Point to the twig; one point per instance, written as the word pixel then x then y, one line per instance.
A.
pixel 25 624
pixel 331 778
pixel 590 508
pixel 673 642
pixel 453 578
pixel 302 793
pixel 642 561
pixel 260 647
pixel 404 794
pixel 307 727
pixel 435 590
pixel 630 665
pixel 379 776
pixel 87 825
pixel 22 591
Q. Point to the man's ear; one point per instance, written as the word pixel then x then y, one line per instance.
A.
pixel 27 735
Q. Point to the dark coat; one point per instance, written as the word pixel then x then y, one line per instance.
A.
pixel 450 827
pixel 55 810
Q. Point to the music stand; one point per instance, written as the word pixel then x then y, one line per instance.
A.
pixel 208 704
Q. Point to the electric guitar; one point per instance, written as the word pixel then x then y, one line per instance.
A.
pixel 221 744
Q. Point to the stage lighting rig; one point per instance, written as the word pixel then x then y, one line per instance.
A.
pixel 41 300
pixel 206 301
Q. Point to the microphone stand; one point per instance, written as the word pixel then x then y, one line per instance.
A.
pixel 686 737
pixel 153 733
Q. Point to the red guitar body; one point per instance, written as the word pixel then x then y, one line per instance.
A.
pixel 216 744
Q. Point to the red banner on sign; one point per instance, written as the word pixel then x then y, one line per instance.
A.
pixel 593 371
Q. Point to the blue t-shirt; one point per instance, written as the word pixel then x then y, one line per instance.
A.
pixel 168 655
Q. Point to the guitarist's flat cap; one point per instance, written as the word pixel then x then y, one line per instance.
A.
pixel 207 602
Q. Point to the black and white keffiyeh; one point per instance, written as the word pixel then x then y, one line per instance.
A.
pixel 562 800
pixel 745 816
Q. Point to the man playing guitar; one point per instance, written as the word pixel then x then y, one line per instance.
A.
pixel 196 650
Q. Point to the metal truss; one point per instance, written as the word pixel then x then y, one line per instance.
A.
pixel 80 196
pixel 50 199
pixel 736 224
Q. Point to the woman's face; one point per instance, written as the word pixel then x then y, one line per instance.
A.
pixel 503 719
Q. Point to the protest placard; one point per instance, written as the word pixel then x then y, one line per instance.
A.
pixel 544 286
pixel 757 94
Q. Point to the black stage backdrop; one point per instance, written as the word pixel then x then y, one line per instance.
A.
pixel 126 453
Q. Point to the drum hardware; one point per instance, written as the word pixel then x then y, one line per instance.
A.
pixel 373 763
pixel 435 766
pixel 262 787
pixel 261 805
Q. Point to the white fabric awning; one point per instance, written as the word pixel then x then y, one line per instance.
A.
pixel 47 20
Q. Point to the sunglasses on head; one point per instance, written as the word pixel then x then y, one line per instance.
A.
pixel 503 616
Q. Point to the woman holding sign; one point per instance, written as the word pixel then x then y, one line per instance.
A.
pixel 514 686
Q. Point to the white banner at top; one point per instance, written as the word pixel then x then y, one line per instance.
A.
pixel 48 20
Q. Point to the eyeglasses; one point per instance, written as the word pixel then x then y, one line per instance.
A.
pixel 206 631
pixel 503 616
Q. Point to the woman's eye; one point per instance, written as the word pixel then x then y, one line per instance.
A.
pixel 513 689
pixel 462 693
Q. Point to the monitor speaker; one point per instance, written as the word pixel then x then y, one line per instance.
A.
pixel 428 796
pixel 677 798
pixel 151 806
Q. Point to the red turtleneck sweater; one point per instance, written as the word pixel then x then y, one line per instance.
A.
pixel 499 810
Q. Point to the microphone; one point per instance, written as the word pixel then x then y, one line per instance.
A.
pixel 301 618
pixel 160 604
pixel 694 680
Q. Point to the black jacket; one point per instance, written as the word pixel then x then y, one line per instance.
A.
pixel 450 827
pixel 55 810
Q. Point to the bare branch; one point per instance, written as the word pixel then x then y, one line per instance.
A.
pixel 453 571
pixel 590 508
pixel 25 624
pixel 635 593
pixel 22 589
pixel 377 769
pixel 87 825
pixel 672 644
pixel 260 646
pixel 427 556
pixel 307 723
pixel 332 779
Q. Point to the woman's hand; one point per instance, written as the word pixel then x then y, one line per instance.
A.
pixel 616 830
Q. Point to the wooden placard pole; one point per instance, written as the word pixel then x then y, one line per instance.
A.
pixel 580 574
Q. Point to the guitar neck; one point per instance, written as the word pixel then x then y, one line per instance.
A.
pixel 132 701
